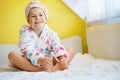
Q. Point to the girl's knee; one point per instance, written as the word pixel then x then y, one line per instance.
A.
pixel 11 54
pixel 70 50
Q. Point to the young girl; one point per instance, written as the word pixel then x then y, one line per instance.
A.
pixel 40 46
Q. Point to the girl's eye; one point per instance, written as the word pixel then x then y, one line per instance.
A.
pixel 40 15
pixel 32 16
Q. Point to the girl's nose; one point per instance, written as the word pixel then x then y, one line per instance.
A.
pixel 37 17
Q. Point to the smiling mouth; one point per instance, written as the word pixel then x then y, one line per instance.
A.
pixel 38 22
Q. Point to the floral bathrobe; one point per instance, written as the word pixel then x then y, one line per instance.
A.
pixel 34 47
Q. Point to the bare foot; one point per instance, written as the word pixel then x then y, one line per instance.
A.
pixel 60 66
pixel 47 64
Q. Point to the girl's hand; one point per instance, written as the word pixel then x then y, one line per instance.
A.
pixel 63 59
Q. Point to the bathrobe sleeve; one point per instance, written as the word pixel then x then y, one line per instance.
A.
pixel 27 45
pixel 58 48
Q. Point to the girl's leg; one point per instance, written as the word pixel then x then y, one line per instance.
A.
pixel 62 66
pixel 22 63
pixel 71 53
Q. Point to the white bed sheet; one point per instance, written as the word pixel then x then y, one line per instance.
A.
pixel 82 67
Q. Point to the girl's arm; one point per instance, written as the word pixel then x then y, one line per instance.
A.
pixel 58 48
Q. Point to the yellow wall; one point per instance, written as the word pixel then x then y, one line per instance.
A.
pixel 61 19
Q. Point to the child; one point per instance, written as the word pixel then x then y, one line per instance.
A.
pixel 39 45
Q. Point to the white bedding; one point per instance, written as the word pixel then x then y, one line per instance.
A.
pixel 82 67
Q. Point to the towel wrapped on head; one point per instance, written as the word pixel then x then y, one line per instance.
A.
pixel 33 4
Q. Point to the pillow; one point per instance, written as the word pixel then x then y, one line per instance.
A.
pixel 73 42
pixel 4 50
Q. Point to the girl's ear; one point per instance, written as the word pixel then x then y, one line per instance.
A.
pixel 28 22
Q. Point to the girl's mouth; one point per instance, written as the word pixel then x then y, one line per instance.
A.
pixel 38 22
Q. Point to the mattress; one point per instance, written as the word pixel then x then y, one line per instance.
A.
pixel 82 67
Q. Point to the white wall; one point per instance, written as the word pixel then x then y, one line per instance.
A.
pixel 80 7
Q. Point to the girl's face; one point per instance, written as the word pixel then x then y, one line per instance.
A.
pixel 36 18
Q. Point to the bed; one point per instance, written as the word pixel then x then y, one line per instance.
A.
pixel 82 67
